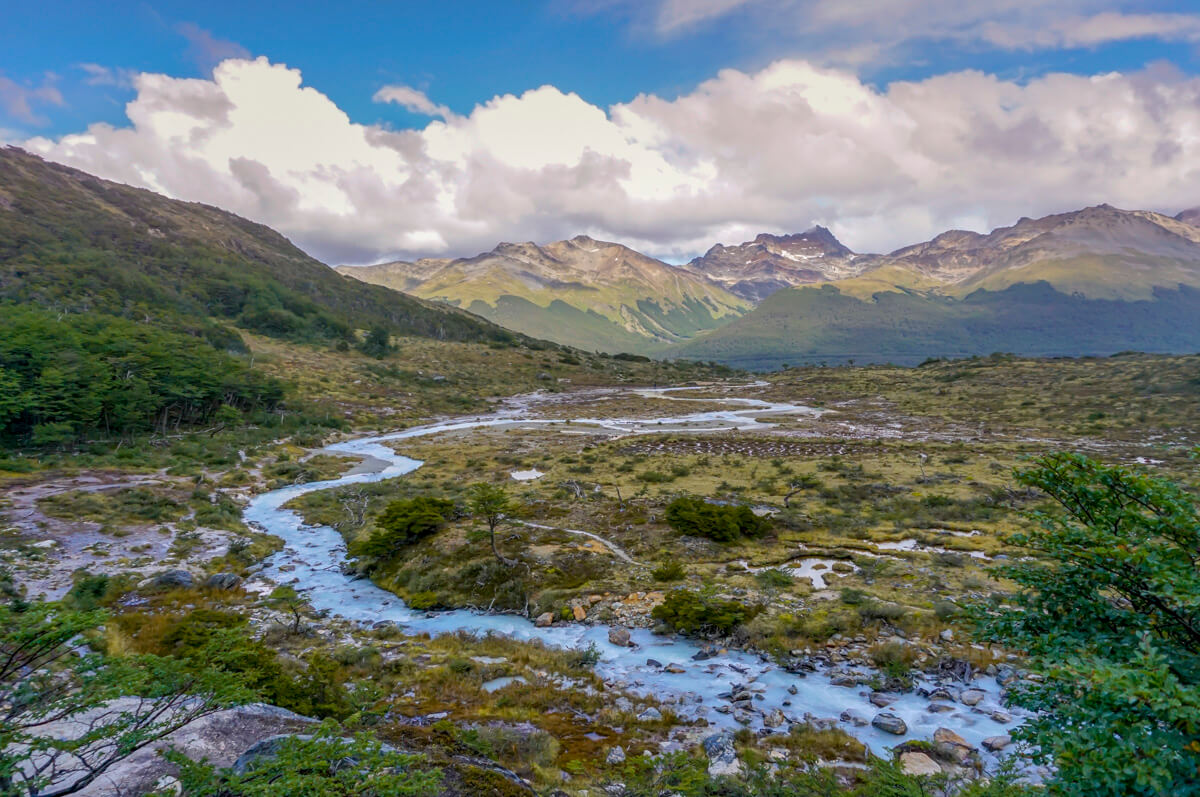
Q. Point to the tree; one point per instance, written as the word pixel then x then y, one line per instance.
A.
pixel 402 523
pixel 377 343
pixel 698 518
pixel 490 502
pixel 323 763
pixel 1109 612
pixel 285 599
pixel 116 706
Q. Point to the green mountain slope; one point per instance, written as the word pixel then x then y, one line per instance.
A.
pixel 821 323
pixel 586 293
pixel 73 242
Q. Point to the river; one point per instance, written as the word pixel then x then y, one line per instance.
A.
pixel 312 556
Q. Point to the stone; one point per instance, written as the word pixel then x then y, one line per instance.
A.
pixel 949 745
pixel 168 784
pixel 947 635
pixel 650 715
pixel 854 718
pixel 619 636
pixel 543 620
pixel 223 581
pixel 882 699
pixel 579 612
pixel 996 743
pixel 916 763
pixel 888 722
pixel 972 697
pixel 615 756
pixel 174 579
pixel 674 668
pixel 774 719
pixel 1001 717
pixel 722 755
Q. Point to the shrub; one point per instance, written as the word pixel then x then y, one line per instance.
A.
pixel 698 518
pixel 700 612
pixel 669 570
pixel 401 524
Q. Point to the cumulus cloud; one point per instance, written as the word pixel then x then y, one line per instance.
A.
pixel 412 99
pixel 19 100
pixel 774 150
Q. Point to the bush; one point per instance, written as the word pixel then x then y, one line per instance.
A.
pixel 401 524
pixel 669 570
pixel 698 518
pixel 700 612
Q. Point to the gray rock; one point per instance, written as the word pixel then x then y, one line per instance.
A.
pixel 917 763
pixel 543 620
pixel 774 719
pixel 972 697
pixel 854 718
pixel 722 755
pixel 996 743
pixel 882 699
pixel 171 579
pixel 223 581
pixel 650 715
pixel 619 636
pixel 888 722
pixel 616 756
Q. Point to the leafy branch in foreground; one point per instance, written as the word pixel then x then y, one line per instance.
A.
pixel 67 716
pixel 1109 612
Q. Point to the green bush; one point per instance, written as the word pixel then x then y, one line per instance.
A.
pixel 401 524
pixel 700 612
pixel 698 518
pixel 669 570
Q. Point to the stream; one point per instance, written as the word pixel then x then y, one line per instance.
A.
pixel 312 556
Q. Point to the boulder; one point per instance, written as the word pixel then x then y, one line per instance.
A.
pixel 915 763
pixel 882 699
pixel 650 715
pixel 619 636
pixel 223 581
pixel 996 743
pixel 579 612
pixel 722 755
pixel 948 744
pixel 544 619
pixel 674 668
pixel 615 756
pixel 774 719
pixel 972 697
pixel 888 722
pixel 174 579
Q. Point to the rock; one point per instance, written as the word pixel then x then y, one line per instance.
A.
pixel 674 668
pixel 543 620
pixel 845 679
pixel 168 784
pixel 854 718
pixel 544 377
pixel 653 663
pixel 882 699
pixel 650 715
pixel 947 635
pixel 972 697
pixel 615 756
pixel 172 579
pixel 619 636
pixel 914 763
pixel 996 743
pixel 949 745
pixel 722 755
pixel 1001 717
pixel 774 719
pixel 223 581
pixel 888 722
pixel 579 612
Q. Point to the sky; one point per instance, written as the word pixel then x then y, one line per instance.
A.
pixel 373 131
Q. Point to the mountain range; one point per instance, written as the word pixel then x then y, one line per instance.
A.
pixel 1092 281
pixel 590 294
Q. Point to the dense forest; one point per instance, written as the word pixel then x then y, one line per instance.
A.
pixel 67 375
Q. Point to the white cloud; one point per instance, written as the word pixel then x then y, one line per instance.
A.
pixel 100 75
pixel 777 150
pixel 859 32
pixel 412 99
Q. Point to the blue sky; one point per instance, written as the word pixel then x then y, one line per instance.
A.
pixel 461 52
pixel 65 67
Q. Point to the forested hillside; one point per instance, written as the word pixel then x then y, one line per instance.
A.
pixel 73 242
